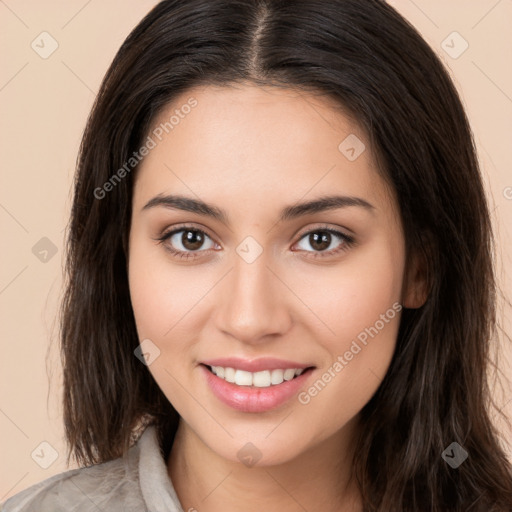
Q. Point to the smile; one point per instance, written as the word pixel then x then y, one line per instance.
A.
pixel 255 392
pixel 262 379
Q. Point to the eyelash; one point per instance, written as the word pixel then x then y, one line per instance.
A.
pixel 348 242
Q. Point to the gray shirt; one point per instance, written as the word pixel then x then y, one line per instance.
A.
pixel 133 483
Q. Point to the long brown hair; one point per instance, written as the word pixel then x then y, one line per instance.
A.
pixel 376 66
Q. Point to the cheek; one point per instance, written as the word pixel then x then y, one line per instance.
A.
pixel 362 308
pixel 164 299
pixel 162 293
pixel 351 295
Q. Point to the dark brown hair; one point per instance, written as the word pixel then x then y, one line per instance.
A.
pixel 376 66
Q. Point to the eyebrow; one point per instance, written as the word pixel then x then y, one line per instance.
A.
pixel 199 207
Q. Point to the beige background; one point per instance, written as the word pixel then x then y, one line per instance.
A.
pixel 44 104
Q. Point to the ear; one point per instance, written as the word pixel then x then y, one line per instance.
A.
pixel 415 289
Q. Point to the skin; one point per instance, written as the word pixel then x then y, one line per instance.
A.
pixel 252 151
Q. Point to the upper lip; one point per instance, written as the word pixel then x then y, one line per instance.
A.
pixel 255 365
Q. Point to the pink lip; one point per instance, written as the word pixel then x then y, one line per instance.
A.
pixel 256 365
pixel 254 399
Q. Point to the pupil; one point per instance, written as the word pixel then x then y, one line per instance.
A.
pixel 320 242
pixel 192 240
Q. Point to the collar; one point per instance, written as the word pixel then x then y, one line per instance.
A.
pixel 156 486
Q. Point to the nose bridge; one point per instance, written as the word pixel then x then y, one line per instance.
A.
pixel 253 302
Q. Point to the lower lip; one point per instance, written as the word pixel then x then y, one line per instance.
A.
pixel 254 399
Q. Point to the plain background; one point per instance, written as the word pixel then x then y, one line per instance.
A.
pixel 44 105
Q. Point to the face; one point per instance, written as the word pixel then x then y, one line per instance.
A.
pixel 237 267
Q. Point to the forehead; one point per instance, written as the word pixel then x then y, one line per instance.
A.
pixel 257 142
pixel 284 117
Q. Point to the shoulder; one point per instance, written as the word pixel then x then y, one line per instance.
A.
pixel 112 486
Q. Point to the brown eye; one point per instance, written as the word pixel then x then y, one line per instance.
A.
pixel 186 241
pixel 327 241
pixel 192 240
pixel 320 242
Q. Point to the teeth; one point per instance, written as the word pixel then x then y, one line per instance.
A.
pixel 263 379
pixel 243 378
pixel 277 376
pixel 229 373
pixel 289 374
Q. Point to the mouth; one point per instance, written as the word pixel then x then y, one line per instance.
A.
pixel 260 379
pixel 255 392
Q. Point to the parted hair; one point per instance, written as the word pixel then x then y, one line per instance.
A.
pixel 377 67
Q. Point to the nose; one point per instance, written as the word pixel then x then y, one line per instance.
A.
pixel 253 304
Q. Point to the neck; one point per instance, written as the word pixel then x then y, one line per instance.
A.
pixel 317 479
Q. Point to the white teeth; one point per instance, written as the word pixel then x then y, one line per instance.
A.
pixel 289 373
pixel 277 376
pixel 262 379
pixel 229 374
pixel 243 378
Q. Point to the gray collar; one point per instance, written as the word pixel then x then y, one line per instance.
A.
pixel 156 486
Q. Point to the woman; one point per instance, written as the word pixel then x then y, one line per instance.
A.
pixel 281 293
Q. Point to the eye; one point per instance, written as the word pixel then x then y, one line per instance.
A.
pixel 185 241
pixel 326 241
